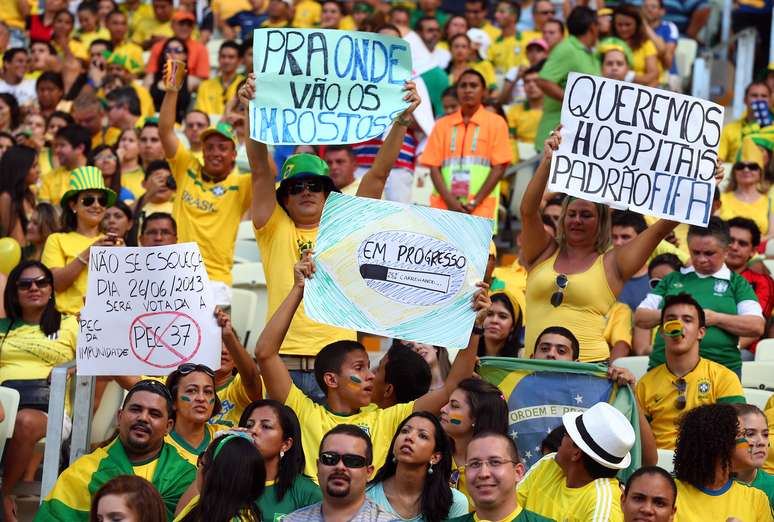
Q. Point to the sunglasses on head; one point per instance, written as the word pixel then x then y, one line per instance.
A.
pixel 558 296
pixel 298 187
pixel 749 165
pixel 153 386
pixel 39 282
pixel 88 201
pixel 185 369
pixel 681 386
pixel 331 458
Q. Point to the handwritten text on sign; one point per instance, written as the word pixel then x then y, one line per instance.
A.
pixel 636 147
pixel 397 270
pixel 317 86
pixel 148 310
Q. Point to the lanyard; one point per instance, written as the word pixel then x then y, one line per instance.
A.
pixel 453 146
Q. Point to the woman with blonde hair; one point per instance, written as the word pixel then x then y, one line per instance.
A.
pixel 575 279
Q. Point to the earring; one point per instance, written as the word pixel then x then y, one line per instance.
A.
pixel 282 454
pixel 430 469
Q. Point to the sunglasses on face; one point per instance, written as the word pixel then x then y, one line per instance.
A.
pixel 40 283
pixel 177 50
pixel 749 165
pixel 331 458
pixel 89 201
pixel 185 369
pixel 558 296
pixel 298 187
pixel 681 386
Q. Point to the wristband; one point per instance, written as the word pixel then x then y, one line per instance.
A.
pixel 629 76
pixel 400 120
pixel 477 330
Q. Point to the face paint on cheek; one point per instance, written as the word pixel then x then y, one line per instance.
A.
pixel 455 419
pixel 355 382
pixel 673 328
pixel 185 398
pixel 212 401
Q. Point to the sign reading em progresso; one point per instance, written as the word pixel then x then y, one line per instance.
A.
pixel 148 310
pixel 323 86
pixel 636 147
pixel 397 270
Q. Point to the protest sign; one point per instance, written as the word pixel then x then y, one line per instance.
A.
pixel 148 310
pixel 636 147
pixel 323 86
pixel 397 270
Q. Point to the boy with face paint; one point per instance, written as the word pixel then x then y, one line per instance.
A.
pixel 686 380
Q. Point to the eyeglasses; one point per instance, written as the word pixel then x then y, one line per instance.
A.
pixel 185 369
pixel 299 186
pixel 154 386
pixel 105 157
pixel 558 296
pixel 88 201
pixel 681 387
pixel 492 463
pixel 331 458
pixel 654 282
pixel 175 49
pixel 749 165
pixel 40 283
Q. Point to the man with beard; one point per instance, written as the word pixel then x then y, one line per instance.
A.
pixel 143 421
pixel 343 468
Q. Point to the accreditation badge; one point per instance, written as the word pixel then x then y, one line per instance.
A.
pixel 460 182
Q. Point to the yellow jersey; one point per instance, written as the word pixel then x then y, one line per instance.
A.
pixel 187 451
pixel 708 383
pixel 316 420
pixel 233 401
pixel 209 212
pixel 458 482
pixel 225 9
pixel 281 244
pixel 132 181
pixel 647 49
pixel 768 466
pixel 619 325
pixel 735 500
pixel 148 27
pixel 30 354
pixel 544 491
pixel 509 51
pixel 307 14
pixel 213 95
pixel 759 210
pixel 53 185
pixel 61 249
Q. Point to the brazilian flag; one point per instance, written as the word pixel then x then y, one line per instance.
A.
pixel 540 392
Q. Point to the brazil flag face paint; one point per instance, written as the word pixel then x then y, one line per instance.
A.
pixel 673 328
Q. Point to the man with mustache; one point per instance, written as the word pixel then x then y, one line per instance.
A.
pixel 343 468
pixel 143 421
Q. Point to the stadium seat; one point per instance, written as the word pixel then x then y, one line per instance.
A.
pixel 666 459
pixel 757 397
pixel 637 364
pixel 685 54
pixel 248 275
pixel 246 251
pixel 104 421
pixel 10 400
pixel 769 249
pixel 245 231
pixel 764 351
pixel 758 375
pixel 244 318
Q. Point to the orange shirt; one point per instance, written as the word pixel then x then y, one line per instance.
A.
pixel 198 58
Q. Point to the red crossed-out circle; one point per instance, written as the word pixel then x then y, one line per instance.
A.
pixel 163 348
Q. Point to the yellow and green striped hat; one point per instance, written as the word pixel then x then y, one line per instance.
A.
pixel 87 178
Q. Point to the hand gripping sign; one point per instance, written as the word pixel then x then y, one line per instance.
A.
pixel 148 310
pixel 397 270
pixel 323 86
pixel 636 147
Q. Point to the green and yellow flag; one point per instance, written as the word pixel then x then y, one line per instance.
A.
pixel 540 392
pixel 70 500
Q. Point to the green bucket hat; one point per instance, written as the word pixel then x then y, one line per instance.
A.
pixel 87 178
pixel 304 165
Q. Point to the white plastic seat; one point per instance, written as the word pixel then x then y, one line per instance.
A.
pixel 666 459
pixel 758 375
pixel 246 251
pixel 10 400
pixel 637 364
pixel 764 351
pixel 757 397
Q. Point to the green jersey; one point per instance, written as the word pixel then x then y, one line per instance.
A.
pixel 303 492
